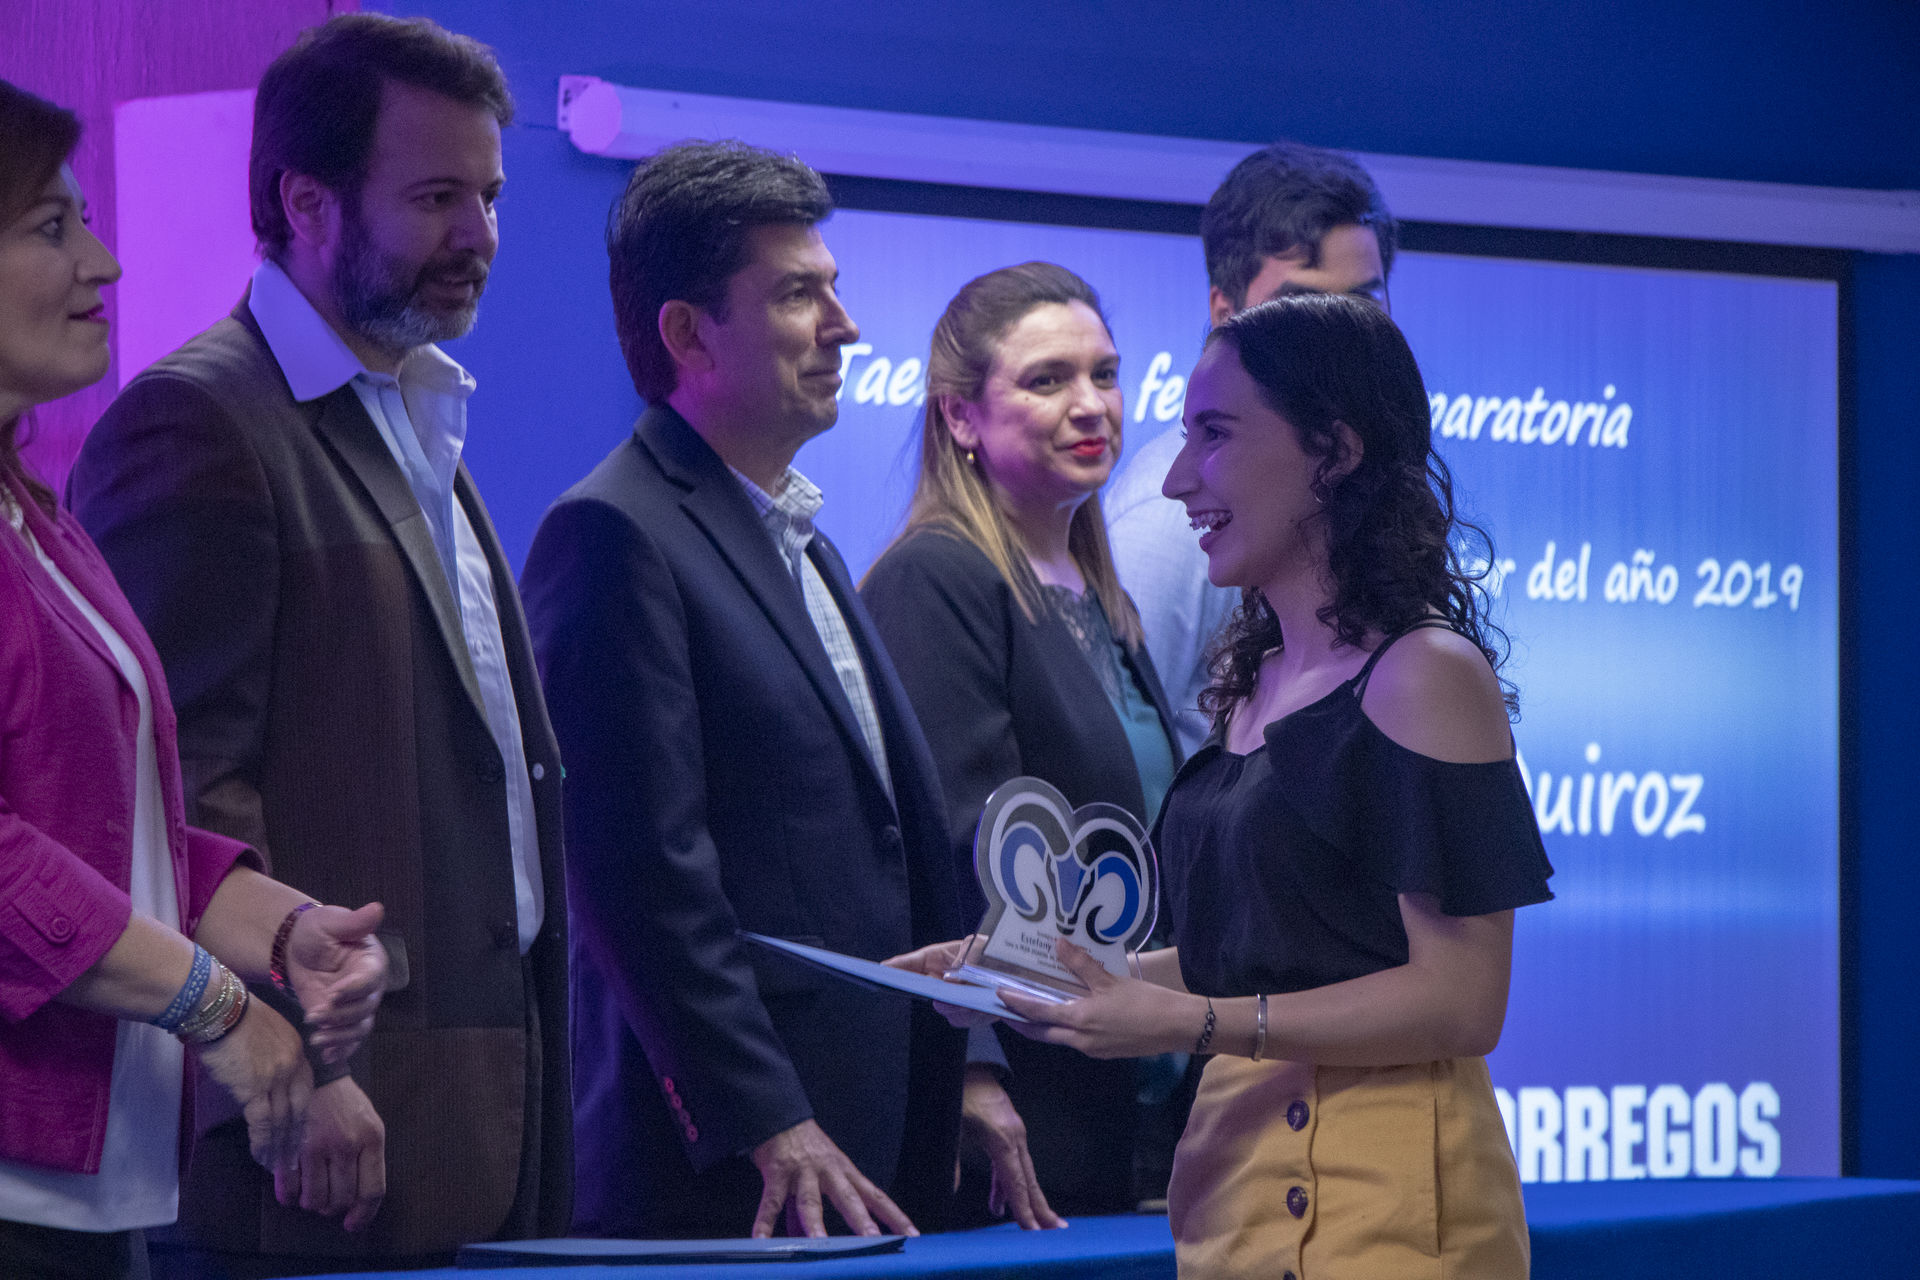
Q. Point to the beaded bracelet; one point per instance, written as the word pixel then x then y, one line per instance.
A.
pixel 277 957
pixel 1260 1030
pixel 216 1008
pixel 233 1016
pixel 188 997
pixel 220 1015
pixel 1206 1032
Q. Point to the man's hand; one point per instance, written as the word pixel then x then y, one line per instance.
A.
pixel 338 970
pixel 990 1120
pixel 342 1164
pixel 800 1165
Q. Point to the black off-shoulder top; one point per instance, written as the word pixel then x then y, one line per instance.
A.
pixel 1282 867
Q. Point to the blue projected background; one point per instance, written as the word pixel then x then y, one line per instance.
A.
pixel 1655 455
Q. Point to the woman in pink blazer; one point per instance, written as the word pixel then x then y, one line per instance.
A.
pixel 126 937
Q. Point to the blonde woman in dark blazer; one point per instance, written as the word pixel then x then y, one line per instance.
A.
pixel 1022 655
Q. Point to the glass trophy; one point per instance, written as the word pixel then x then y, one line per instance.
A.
pixel 1050 871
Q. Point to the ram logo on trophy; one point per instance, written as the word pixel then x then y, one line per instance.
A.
pixel 1049 871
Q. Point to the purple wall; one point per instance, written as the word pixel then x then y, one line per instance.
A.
pixel 88 55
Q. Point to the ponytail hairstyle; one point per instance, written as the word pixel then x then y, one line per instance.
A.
pixel 951 494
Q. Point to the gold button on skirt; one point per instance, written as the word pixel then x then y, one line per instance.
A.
pixel 1331 1173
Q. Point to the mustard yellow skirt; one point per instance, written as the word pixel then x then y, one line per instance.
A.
pixel 1289 1171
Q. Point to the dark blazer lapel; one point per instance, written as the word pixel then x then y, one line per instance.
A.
pixel 917 801
pixel 715 502
pixel 536 732
pixel 536 729
pixel 537 738
pixel 343 423
pixel 904 742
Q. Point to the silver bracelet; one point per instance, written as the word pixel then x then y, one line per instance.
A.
pixel 1260 1030
pixel 220 1015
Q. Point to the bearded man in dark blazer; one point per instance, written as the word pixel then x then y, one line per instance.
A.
pixel 740 754
pixel 283 501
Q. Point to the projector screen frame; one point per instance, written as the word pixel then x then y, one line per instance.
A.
pixel 890 195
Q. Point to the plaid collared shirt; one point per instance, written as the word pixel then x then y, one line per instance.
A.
pixel 788 517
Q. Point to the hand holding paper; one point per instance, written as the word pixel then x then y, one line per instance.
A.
pixel 937 961
pixel 1052 875
pixel 1118 1018
pixel 980 1000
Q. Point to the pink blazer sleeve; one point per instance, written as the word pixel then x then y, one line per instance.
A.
pixel 58 916
pixel 209 858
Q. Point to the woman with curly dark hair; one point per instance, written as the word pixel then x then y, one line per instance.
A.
pixel 1344 854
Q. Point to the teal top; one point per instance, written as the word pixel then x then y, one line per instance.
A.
pixel 1147 739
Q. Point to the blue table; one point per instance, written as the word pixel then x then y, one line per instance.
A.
pixel 1793 1228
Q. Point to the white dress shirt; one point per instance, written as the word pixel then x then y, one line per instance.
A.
pixel 1163 568
pixel 788 517
pixel 422 416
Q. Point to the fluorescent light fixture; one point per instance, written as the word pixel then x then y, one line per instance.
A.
pixel 607 119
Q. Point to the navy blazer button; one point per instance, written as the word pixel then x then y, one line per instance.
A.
pixel 1297 1116
pixel 890 839
pixel 1297 1201
pixel 506 934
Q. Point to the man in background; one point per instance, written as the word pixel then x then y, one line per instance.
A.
pixel 284 503
pixel 740 754
pixel 1288 219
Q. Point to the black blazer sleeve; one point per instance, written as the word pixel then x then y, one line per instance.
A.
pixel 943 614
pixel 999 696
pixel 944 623
pixel 643 873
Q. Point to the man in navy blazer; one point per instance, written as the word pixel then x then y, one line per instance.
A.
pixel 740 755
